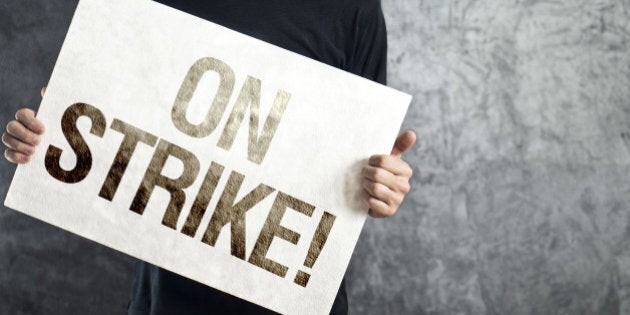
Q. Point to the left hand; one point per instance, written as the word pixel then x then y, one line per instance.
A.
pixel 386 178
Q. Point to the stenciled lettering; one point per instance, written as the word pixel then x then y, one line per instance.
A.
pixel 204 195
pixel 273 228
pixel 188 88
pixel 229 212
pixel 133 135
pixel 153 177
pixel 250 97
pixel 77 143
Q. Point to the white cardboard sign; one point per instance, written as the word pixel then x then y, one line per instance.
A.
pixel 207 152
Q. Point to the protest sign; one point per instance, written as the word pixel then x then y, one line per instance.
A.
pixel 204 151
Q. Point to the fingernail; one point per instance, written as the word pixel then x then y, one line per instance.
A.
pixel 375 160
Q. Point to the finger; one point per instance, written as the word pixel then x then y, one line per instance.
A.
pixel 42 91
pixel 404 141
pixel 17 145
pixel 17 130
pixel 391 163
pixel 27 117
pixel 381 192
pixel 385 177
pixel 378 209
pixel 16 157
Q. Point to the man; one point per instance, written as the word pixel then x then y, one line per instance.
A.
pixel 347 34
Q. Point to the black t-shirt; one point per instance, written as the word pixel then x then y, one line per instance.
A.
pixel 347 34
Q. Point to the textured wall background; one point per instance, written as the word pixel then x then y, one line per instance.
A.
pixel 521 199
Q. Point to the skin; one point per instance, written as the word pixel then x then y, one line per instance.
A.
pixel 385 177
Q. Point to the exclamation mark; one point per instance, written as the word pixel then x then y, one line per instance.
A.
pixel 318 242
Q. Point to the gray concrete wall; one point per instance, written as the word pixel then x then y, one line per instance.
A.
pixel 521 192
pixel 45 270
pixel 521 202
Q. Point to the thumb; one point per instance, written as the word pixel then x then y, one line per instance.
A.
pixel 404 141
pixel 43 91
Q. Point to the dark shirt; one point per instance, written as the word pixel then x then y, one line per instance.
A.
pixel 347 34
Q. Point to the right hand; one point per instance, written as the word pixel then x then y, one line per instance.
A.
pixel 22 135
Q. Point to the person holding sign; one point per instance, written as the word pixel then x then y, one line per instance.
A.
pixel 347 34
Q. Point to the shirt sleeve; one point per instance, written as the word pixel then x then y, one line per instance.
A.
pixel 369 58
